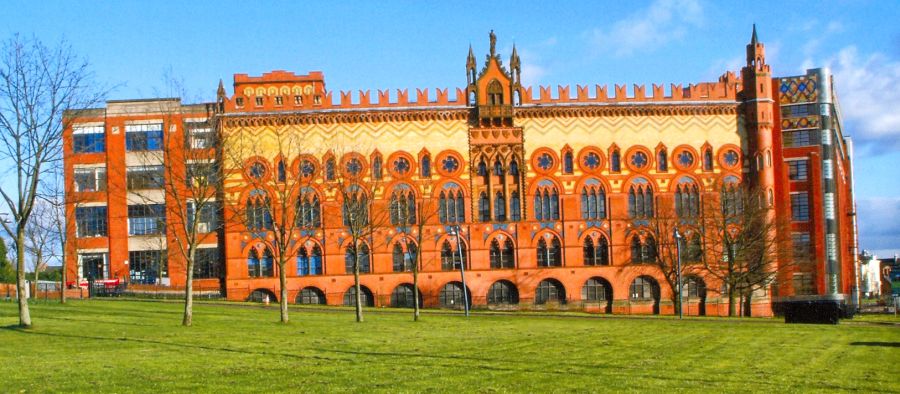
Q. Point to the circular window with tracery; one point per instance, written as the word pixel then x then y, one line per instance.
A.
pixel 307 168
pixel 731 158
pixel 591 161
pixel 450 164
pixel 639 160
pixel 401 166
pixel 685 159
pixel 545 161
pixel 354 166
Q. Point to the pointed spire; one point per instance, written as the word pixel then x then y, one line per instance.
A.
pixel 470 61
pixel 221 90
pixel 754 40
pixel 514 64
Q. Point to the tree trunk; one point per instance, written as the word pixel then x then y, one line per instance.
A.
pixel 748 302
pixel 416 288
pixel 24 314
pixel 731 302
pixel 282 281
pixel 37 269
pixel 188 319
pixel 359 311
pixel 62 283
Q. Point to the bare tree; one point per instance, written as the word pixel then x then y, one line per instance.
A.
pixel 424 213
pixel 41 238
pixel 658 247
pixel 272 212
pixel 37 84
pixel 361 213
pixel 746 245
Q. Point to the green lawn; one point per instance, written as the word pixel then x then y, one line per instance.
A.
pixel 128 346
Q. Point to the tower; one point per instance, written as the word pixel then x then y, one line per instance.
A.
pixel 496 145
pixel 758 105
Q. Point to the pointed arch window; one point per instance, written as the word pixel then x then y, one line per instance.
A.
pixel 259 212
pixel 377 167
pixel 732 203
pixel 568 163
pixel 260 267
pixel 549 253
pixel 403 207
pixel 484 207
pixel 515 206
pixel 502 256
pixel 309 211
pixel 451 206
pixel 687 200
pixel 483 172
pixel 309 263
pixel 426 166
pixel 615 161
pixel 662 161
pixel 282 171
pixel 403 260
pixel 355 210
pixel 495 93
pixel 514 168
pixel 329 169
pixel 350 256
pixel 640 201
pixel 546 203
pixel 643 251
pixel 694 253
pixel 596 254
pixel 708 160
pixel 452 258
pixel 499 207
pixel 593 202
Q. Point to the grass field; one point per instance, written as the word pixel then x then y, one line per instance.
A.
pixel 129 346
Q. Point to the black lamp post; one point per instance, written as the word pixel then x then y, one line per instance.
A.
pixel 455 230
pixel 678 273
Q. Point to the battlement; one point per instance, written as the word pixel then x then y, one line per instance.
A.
pixel 285 91
pixel 725 89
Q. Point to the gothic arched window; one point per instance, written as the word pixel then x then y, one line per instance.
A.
pixel 593 202
pixel 549 255
pixel 502 257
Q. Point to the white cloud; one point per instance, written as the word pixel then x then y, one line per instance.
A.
pixel 647 29
pixel 866 88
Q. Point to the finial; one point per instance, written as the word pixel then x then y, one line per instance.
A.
pixel 221 90
pixel 753 39
pixel 493 43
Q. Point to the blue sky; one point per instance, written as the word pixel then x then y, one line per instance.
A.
pixel 390 44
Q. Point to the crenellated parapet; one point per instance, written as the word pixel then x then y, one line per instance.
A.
pixel 726 89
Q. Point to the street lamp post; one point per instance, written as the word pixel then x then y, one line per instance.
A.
pixel 678 272
pixel 455 230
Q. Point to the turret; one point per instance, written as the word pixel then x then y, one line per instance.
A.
pixel 758 108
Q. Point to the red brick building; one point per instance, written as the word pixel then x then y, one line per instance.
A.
pixel 554 192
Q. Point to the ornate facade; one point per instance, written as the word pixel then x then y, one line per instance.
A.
pixel 553 194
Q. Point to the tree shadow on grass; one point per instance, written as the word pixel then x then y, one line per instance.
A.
pixel 436 361
pixel 879 344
